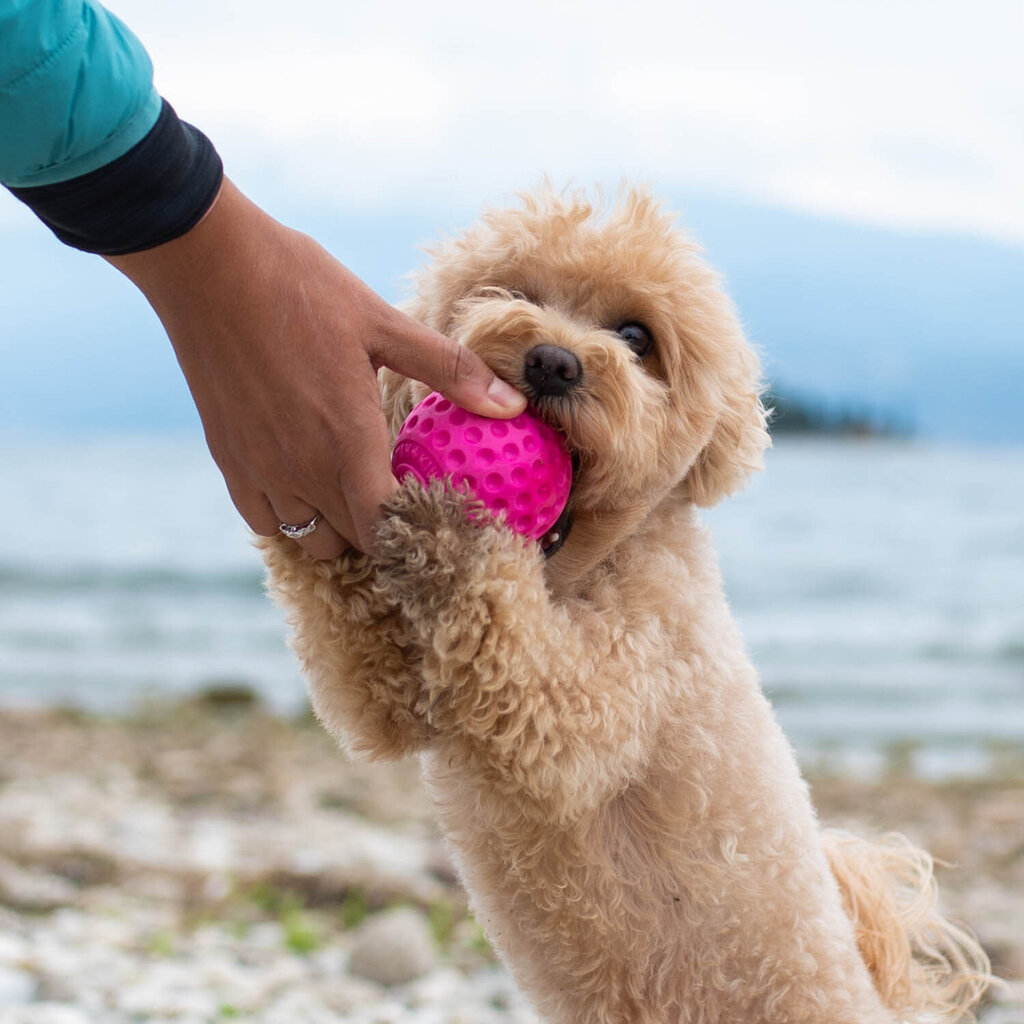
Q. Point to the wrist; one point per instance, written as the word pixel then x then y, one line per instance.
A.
pixel 220 289
pixel 156 191
pixel 200 264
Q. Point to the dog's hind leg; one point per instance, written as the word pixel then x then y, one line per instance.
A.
pixel 361 669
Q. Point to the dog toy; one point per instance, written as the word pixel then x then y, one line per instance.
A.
pixel 515 468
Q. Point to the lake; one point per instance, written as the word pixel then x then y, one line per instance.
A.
pixel 879 584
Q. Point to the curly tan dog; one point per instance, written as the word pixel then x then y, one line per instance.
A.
pixel 628 818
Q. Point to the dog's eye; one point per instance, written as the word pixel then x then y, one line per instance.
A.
pixel 638 338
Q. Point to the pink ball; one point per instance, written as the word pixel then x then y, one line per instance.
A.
pixel 518 468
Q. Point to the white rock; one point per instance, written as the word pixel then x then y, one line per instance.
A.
pixel 1002 1015
pixel 389 1011
pixel 393 947
pixel 56 989
pixel 167 988
pixel 446 987
pixel 1007 1006
pixel 299 1005
pixel 328 961
pixel 34 891
pixel 16 987
pixel 13 948
pixel 53 1013
pixel 343 994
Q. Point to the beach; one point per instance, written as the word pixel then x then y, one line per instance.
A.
pixel 207 860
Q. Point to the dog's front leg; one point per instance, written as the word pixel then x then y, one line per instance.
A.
pixel 531 692
pixel 361 667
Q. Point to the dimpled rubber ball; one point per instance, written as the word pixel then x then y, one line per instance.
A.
pixel 518 468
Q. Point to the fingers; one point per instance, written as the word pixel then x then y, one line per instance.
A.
pixel 343 475
pixel 265 517
pixel 452 369
pixel 324 541
pixel 280 345
pixel 365 493
pixel 358 481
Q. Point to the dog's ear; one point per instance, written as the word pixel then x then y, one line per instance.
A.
pixel 738 440
pixel 396 398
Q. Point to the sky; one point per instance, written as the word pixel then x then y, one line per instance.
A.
pixel 376 126
pixel 904 114
pixel 889 112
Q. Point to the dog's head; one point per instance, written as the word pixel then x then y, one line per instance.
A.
pixel 621 337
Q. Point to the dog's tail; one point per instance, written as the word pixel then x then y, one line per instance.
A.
pixel 923 966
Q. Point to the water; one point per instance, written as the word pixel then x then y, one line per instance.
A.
pixel 126 572
pixel 880 586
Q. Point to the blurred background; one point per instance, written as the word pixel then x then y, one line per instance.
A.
pixel 854 170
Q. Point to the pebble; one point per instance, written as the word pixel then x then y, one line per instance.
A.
pixel 129 863
pixel 1007 1005
pixel 1002 1015
pixel 46 1013
pixel 393 947
pixel 34 892
pixel 16 986
pixel 344 993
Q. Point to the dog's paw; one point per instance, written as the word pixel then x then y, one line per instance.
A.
pixel 344 583
pixel 436 540
pixel 427 527
pixel 431 536
pixel 284 556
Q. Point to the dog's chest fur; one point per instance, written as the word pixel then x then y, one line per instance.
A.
pixel 667 878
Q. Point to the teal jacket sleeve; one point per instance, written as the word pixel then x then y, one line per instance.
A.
pixel 76 90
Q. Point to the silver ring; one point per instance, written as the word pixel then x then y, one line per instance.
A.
pixel 301 530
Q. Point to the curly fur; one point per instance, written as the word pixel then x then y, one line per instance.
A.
pixel 628 818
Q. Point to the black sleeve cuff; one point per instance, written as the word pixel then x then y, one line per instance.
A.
pixel 154 193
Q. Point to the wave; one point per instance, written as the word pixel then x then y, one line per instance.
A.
pixel 97 580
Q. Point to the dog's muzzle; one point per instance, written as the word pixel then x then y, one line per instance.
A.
pixel 551 370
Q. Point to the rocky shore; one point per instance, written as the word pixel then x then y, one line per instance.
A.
pixel 208 862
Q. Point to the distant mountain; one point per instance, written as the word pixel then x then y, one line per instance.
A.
pixel 926 329
pixel 797 414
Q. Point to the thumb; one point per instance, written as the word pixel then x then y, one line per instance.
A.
pixel 452 369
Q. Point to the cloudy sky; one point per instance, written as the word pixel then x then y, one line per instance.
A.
pixel 377 125
pixel 907 114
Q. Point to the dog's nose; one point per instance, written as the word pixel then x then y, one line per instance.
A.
pixel 552 370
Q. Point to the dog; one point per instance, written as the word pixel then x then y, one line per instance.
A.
pixel 627 816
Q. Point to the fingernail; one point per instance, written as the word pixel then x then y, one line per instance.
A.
pixel 505 395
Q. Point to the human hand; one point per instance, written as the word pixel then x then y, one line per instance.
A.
pixel 280 345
